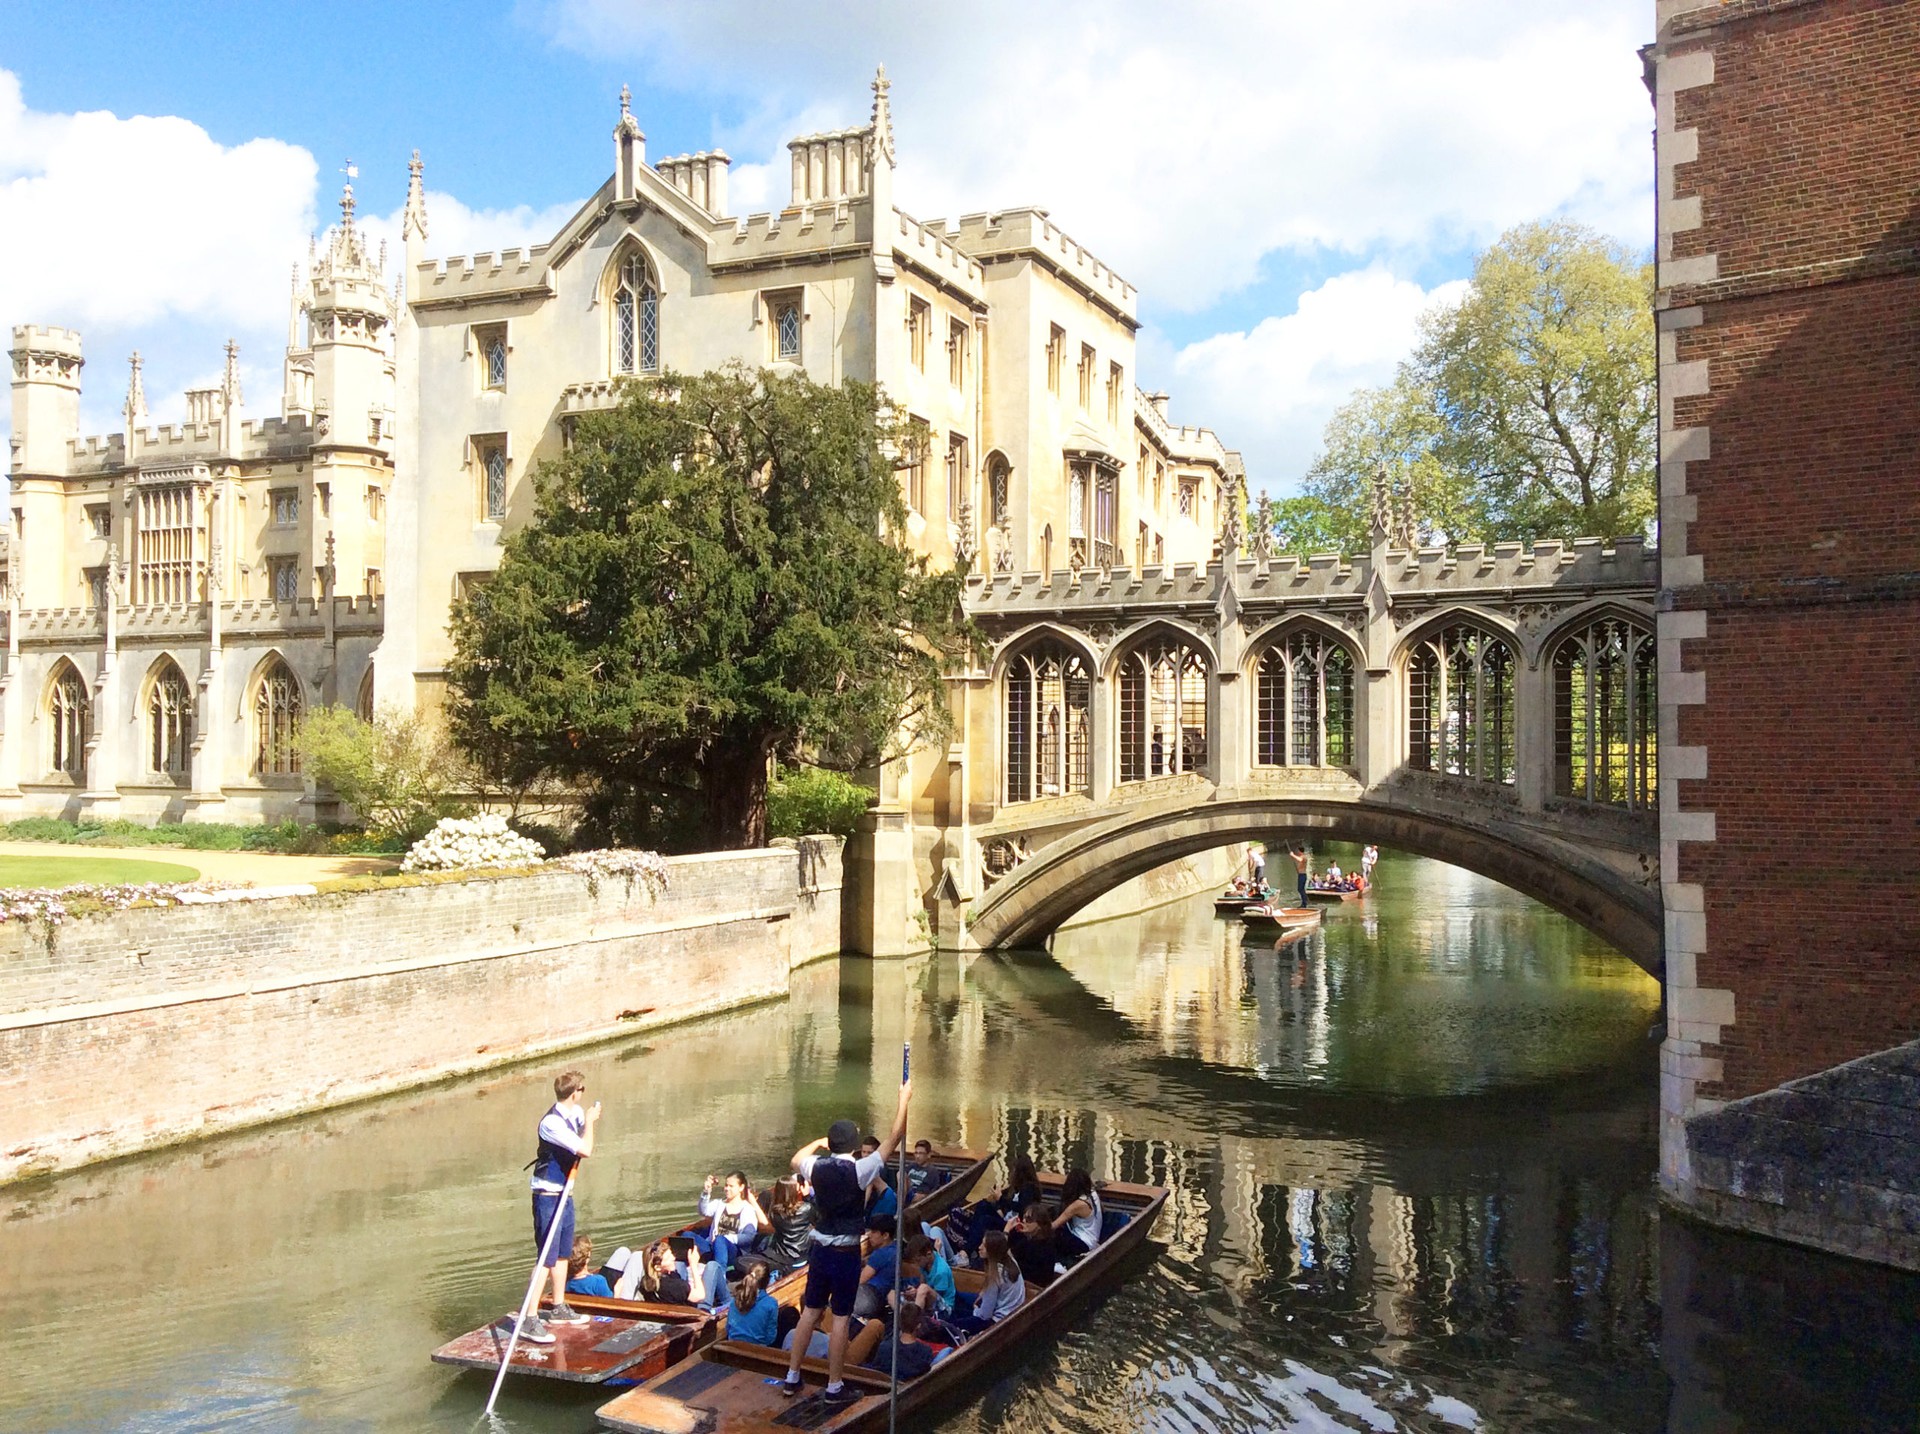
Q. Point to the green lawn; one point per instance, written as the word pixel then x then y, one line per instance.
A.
pixel 39 871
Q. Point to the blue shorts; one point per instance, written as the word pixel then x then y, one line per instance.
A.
pixel 543 1203
pixel 833 1275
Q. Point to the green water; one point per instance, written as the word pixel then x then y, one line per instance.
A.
pixel 1412 1158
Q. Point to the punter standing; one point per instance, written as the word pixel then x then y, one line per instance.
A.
pixel 839 1182
pixel 1299 855
pixel 565 1138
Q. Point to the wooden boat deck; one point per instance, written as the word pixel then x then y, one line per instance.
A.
pixel 630 1341
pixel 731 1388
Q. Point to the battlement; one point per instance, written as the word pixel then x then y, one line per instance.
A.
pixel 476 278
pixel 99 453
pixel 47 339
pixel 1501 576
pixel 814 229
pixel 1012 233
pixel 1177 440
pixel 931 246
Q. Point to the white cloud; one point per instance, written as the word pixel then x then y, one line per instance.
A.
pixel 1268 391
pixel 1186 144
pixel 146 233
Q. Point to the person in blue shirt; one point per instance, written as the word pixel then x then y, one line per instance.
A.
pixel 881 1272
pixel 923 1176
pixel 753 1315
pixel 579 1279
pixel 926 1276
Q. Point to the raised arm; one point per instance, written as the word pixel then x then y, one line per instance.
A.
pixel 807 1152
pixel 899 1131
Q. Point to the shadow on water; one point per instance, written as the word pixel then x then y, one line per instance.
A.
pixel 1411 1159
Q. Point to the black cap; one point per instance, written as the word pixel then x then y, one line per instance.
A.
pixel 843 1136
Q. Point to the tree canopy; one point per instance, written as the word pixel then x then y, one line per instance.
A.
pixel 713 577
pixel 1527 410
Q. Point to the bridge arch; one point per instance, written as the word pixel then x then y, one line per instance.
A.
pixel 1467 614
pixel 1012 646
pixel 1065 875
pixel 1281 628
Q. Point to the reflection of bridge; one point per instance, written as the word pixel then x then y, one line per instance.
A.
pixel 1488 706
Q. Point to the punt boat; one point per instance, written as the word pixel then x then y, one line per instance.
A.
pixel 1228 903
pixel 627 1341
pixel 1338 893
pixel 731 1387
pixel 1266 918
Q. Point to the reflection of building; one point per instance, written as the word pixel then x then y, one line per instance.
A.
pixel 180 595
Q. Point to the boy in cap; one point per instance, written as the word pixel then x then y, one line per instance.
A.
pixel 839 1182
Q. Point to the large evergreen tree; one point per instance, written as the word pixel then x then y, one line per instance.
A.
pixel 713 577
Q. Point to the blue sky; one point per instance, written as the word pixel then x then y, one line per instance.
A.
pixel 1289 184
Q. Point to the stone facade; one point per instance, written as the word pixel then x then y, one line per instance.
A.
pixel 216 1016
pixel 174 593
pixel 1789 318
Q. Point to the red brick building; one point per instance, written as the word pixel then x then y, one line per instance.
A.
pixel 1788 151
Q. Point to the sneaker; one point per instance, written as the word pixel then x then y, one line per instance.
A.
pixel 791 1387
pixel 845 1394
pixel 533 1330
pixel 565 1314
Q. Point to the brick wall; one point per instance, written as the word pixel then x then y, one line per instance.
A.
pixel 144 1027
pixel 1789 161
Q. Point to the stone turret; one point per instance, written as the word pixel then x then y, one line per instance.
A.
pixel 46 397
pixel 350 313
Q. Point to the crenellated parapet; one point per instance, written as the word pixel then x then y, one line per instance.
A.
pixel 1009 234
pixel 482 278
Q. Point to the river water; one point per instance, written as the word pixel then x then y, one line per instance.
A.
pixel 1412 1158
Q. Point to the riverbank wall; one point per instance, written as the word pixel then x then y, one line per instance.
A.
pixel 126 1031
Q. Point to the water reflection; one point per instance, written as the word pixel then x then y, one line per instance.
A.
pixel 1412 1161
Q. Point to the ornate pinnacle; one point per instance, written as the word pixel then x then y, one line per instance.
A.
pixel 882 113
pixel 1382 507
pixel 626 101
pixel 416 214
pixel 136 393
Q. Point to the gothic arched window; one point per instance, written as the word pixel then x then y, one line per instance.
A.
pixel 363 699
pixel 1604 717
pixel 1163 709
pixel 1049 688
pixel 636 318
pixel 1460 705
pixel 1305 700
pixel 69 714
pixel 169 722
pixel 276 712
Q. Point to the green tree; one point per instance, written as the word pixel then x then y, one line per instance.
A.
pixel 810 801
pixel 712 578
pixel 1527 410
pixel 400 775
pixel 1543 382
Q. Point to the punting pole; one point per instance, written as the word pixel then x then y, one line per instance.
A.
pixel 899 1240
pixel 533 1285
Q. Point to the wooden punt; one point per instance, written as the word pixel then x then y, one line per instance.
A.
pixel 630 1341
pixel 725 1388
pixel 1337 893
pixel 1286 917
pixel 1228 903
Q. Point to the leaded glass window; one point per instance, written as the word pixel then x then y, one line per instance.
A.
pixel 636 319
pixel 1163 709
pixel 1305 702
pixel 1048 744
pixel 497 361
pixel 496 466
pixel 276 712
pixel 169 723
pixel 69 713
pixel 787 322
pixel 1460 719
pixel 1605 718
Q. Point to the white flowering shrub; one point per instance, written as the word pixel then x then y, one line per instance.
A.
pixel 460 843
pixel 51 906
pixel 647 868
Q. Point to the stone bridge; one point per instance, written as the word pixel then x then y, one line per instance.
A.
pixel 1490 706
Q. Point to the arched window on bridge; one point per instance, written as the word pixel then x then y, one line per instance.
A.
pixel 1460 705
pixel 1048 687
pixel 1163 709
pixel 1604 715
pixel 1306 704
